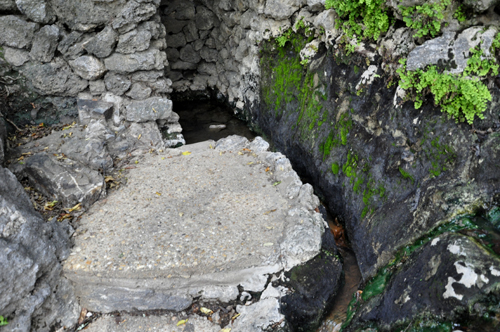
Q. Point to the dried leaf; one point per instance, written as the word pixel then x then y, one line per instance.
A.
pixel 240 153
pixel 64 216
pixel 266 213
pixel 182 322
pixel 137 161
pixel 206 311
pixel 49 206
pixel 250 163
pixel 235 316
pixel 109 178
pixel 83 315
pixel 181 214
pixel 268 169
pixel 157 193
pixel 276 183
pixel 225 330
pixel 139 137
pixel 74 208
pixel 247 150
pixel 186 153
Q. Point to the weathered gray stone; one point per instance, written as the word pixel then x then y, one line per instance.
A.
pixel 68 40
pixel 147 76
pixel 207 68
pixel 33 297
pixel 134 41
pixel 316 5
pixel 16 32
pixel 128 63
pixel 8 5
pixel 15 56
pixel 92 152
pixel 45 44
pixel 3 137
pixel 97 129
pixel 88 67
pixel 139 91
pixel 117 83
pixel 198 44
pixel 181 65
pixel 172 25
pixel 184 10
pixel 163 85
pixel 36 10
pixel 191 32
pixel 261 316
pixel 133 13
pixel 280 10
pixel 480 5
pixel 205 18
pixel 102 44
pixel 208 54
pixel 151 109
pixel 97 87
pixel 172 54
pixel 91 109
pixel 176 41
pixel 55 78
pixel 69 184
pixel 188 54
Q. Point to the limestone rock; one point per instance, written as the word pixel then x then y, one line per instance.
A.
pixel 188 54
pixel 316 5
pixel 177 40
pixel 88 67
pixel 15 56
pixel 45 44
pixel 205 18
pixel 102 44
pixel 3 137
pixel 181 65
pixel 97 87
pixel 16 32
pixel 139 91
pixel 8 5
pixel 128 63
pixel 281 9
pixel 92 152
pixel 55 78
pixel 172 54
pixel 151 109
pixel 36 10
pixel 133 13
pixel 481 5
pixel 134 41
pixel 91 109
pixel 33 297
pixel 209 55
pixel 191 32
pixel 117 83
pixel 69 184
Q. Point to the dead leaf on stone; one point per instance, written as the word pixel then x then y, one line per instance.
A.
pixel 248 150
pixel 269 244
pixel 240 153
pixel 266 213
pixel 74 208
pixel 235 316
pixel 157 193
pixel 139 137
pixel 83 315
pixel 109 178
pixel 250 163
pixel 181 214
pixel 206 311
pixel 186 153
pixel 64 216
pixel 225 330
pixel 268 169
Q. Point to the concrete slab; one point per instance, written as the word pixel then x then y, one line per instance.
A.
pixel 195 222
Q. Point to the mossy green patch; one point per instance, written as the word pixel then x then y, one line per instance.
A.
pixel 335 168
pixel 406 175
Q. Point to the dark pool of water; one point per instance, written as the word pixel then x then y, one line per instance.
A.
pixel 197 118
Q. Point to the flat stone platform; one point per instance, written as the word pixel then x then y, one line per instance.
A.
pixel 194 223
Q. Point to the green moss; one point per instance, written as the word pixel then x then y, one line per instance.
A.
pixel 335 168
pixel 406 175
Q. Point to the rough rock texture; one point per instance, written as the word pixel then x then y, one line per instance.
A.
pixel 16 32
pixel 45 43
pixel 151 109
pixel 88 67
pixel 34 296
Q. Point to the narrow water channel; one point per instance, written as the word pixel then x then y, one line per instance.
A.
pixel 204 120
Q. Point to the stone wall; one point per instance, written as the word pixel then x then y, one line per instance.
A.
pixel 215 44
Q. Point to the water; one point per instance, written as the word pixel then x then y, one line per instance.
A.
pixel 196 118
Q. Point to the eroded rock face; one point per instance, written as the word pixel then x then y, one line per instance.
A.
pixel 34 296
pixel 16 32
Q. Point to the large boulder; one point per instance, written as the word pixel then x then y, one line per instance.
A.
pixel 152 109
pixel 34 295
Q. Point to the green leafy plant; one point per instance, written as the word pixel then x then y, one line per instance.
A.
pixel 3 321
pixel 425 19
pixel 363 18
pixel 460 14
pixel 460 97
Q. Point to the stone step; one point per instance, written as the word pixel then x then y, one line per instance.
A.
pixel 205 222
